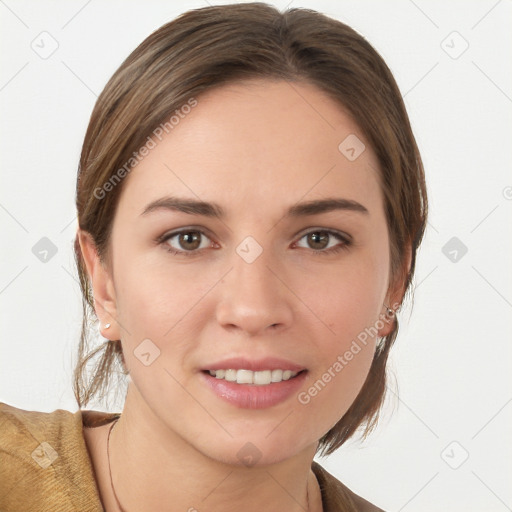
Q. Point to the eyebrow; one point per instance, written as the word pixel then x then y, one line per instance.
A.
pixel 207 209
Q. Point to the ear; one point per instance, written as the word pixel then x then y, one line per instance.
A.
pixel 102 287
pixel 395 294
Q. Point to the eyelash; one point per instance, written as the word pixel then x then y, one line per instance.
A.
pixel 333 250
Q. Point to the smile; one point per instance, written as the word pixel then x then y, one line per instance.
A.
pixel 259 378
pixel 247 389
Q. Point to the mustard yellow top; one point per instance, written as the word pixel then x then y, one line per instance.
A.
pixel 45 465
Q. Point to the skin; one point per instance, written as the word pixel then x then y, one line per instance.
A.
pixel 256 148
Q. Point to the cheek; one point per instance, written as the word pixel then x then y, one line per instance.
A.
pixel 344 360
pixel 163 305
pixel 154 295
pixel 349 297
pixel 349 303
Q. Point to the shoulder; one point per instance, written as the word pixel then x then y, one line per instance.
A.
pixel 44 463
pixel 336 496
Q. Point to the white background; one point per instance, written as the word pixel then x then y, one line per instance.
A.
pixel 452 360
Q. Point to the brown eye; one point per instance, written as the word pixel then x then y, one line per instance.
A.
pixel 190 240
pixel 325 241
pixel 186 242
pixel 318 239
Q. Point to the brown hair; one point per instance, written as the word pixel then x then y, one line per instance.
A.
pixel 206 48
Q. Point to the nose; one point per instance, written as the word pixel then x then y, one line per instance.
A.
pixel 254 298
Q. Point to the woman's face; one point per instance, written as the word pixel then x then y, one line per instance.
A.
pixel 266 280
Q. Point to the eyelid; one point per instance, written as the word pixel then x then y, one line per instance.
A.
pixel 171 234
pixel 187 229
pixel 344 242
pixel 316 229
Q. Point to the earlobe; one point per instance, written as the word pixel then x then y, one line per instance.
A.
pixel 102 286
pixel 395 296
pixel 386 320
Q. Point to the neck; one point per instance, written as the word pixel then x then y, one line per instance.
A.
pixel 152 465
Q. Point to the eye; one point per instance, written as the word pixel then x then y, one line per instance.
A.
pixel 189 242
pixel 326 242
pixel 186 242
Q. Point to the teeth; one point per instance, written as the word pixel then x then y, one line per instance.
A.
pixel 230 375
pixel 244 377
pixel 261 378
pixel 277 375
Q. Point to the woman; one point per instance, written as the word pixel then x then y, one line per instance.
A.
pixel 250 201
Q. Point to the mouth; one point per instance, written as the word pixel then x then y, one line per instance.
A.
pixel 250 384
pixel 254 378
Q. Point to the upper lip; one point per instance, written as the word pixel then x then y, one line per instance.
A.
pixel 243 363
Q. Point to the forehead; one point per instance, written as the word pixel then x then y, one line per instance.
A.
pixel 244 143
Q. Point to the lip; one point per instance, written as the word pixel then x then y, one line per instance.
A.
pixel 251 396
pixel 256 365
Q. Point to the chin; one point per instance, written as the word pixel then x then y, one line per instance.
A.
pixel 255 449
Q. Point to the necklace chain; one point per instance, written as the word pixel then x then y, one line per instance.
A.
pixel 109 471
pixel 112 483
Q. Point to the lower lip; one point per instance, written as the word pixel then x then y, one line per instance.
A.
pixel 250 396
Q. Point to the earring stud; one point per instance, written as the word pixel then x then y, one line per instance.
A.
pixel 107 326
pixel 389 311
